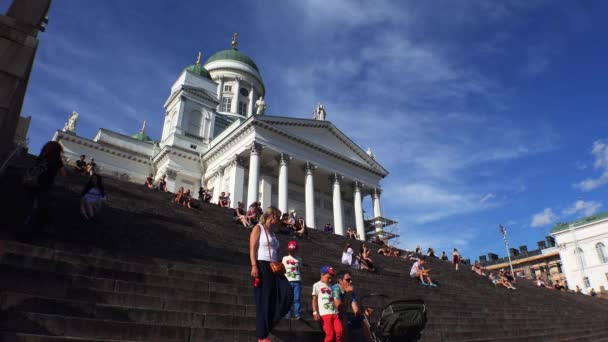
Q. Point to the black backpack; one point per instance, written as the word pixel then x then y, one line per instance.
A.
pixel 402 320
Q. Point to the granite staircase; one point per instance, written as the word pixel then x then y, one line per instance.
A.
pixel 149 270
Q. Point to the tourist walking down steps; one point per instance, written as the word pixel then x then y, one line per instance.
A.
pixel 272 293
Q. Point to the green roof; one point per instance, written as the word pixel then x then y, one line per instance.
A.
pixel 199 70
pixel 232 54
pixel 141 137
pixel 580 222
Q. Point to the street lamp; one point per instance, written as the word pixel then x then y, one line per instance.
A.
pixel 503 230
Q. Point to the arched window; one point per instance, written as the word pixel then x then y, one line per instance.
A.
pixel 601 252
pixel 195 120
pixel 580 257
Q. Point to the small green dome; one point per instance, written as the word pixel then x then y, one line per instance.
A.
pixel 141 137
pixel 199 70
pixel 232 54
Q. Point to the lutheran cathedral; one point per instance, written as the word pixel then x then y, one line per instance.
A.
pixel 217 135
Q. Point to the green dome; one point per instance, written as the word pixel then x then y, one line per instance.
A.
pixel 232 54
pixel 141 137
pixel 199 70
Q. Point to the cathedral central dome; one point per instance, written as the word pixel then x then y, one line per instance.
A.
pixel 232 54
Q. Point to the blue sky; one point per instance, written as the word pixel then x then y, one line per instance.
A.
pixel 484 112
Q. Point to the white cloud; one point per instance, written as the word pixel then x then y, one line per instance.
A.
pixel 600 153
pixel 487 198
pixel 581 207
pixel 543 218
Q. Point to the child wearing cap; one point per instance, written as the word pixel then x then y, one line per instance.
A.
pixel 323 306
pixel 292 266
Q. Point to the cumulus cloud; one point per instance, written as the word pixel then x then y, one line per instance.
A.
pixel 543 218
pixel 600 154
pixel 581 207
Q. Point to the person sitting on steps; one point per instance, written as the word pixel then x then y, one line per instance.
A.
pixel 444 257
pixel 348 257
pixel 149 182
pixel 365 260
pixel 91 167
pixel 252 213
pixel 240 215
pixel 93 197
pixel 162 184
pixel 221 200
pixel 477 268
pixel 418 271
pixel 81 165
pixel 187 199
pixel 300 228
pixel 179 195
pixel 504 281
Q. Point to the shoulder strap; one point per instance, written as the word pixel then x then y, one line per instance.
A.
pixel 267 240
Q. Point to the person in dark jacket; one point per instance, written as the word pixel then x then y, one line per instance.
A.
pixel 45 170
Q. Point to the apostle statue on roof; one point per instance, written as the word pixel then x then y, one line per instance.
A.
pixel 260 106
pixel 319 112
pixel 70 126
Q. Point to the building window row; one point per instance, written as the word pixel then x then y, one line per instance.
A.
pixel 600 249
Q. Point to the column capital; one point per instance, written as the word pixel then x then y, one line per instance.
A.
pixel 284 158
pixel 256 148
pixel 376 192
pixel 237 161
pixel 336 178
pixel 220 171
pixel 357 186
pixel 309 168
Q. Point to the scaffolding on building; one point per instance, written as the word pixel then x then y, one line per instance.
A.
pixel 384 228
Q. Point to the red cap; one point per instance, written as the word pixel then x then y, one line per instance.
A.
pixel 292 245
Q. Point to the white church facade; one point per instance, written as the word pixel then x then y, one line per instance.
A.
pixel 217 135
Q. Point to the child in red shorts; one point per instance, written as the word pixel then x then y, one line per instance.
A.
pixel 323 306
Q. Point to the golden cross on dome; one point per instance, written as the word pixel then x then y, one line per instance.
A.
pixel 234 35
pixel 198 57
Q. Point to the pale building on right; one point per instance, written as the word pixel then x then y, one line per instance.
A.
pixel 582 248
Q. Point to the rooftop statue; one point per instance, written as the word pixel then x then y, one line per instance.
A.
pixel 234 42
pixel 319 113
pixel 70 126
pixel 260 106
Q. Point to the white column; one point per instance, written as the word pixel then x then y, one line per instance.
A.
pixel 283 181
pixel 250 105
pixel 309 194
pixel 237 182
pixel 217 188
pixel 359 210
pixel 377 212
pixel 235 97
pixel 220 92
pixel 265 192
pixel 336 179
pixel 254 174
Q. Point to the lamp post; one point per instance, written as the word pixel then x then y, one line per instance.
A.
pixel 503 230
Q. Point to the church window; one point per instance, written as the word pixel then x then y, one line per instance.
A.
pixel 601 252
pixel 587 282
pixel 228 88
pixel 242 108
pixel 226 104
pixel 195 120
pixel 244 92
pixel 580 257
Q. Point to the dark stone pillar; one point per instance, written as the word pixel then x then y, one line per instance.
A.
pixel 18 43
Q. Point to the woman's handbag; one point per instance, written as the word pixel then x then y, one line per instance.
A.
pixel 276 267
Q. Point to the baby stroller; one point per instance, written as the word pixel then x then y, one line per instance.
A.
pixel 400 320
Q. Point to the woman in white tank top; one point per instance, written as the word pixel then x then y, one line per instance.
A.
pixel 272 293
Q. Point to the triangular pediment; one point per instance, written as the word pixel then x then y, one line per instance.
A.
pixel 325 135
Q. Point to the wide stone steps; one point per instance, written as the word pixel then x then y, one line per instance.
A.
pixel 150 270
